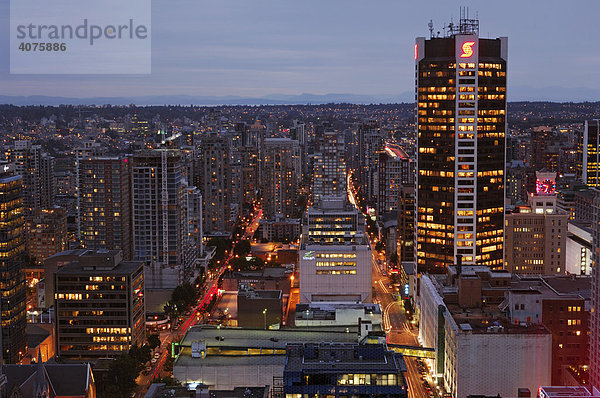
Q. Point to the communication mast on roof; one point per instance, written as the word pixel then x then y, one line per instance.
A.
pixel 466 25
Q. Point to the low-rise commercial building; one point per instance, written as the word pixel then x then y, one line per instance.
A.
pixel 567 392
pixel 259 309
pixel 224 358
pixel 562 305
pixel 342 370
pixel 478 349
pixel 324 314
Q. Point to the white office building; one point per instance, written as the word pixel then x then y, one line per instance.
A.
pixel 335 256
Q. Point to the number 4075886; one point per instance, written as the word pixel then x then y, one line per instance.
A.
pixel 42 47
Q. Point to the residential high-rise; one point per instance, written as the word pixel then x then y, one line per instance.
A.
pixel 12 275
pixel 159 218
pixel 46 233
pixel 329 177
pixel 216 184
pixel 37 170
pixel 395 169
pixel 105 204
pixel 461 124
pixel 193 225
pixel 370 145
pixel 89 149
pixel 298 132
pixel 99 305
pixel 588 165
pixel 281 176
pixel 250 174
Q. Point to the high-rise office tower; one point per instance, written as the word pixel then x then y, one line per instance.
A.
pixel 588 165
pixel 461 123
pixel 105 205
pixel 541 138
pixel 12 275
pixel 536 237
pixel 329 167
pixel 139 127
pixel 159 217
pixel 395 169
pixel 370 145
pixel 336 262
pixel 595 303
pixel 215 183
pixel 406 222
pixel 37 170
pixel 281 176
pixel 99 304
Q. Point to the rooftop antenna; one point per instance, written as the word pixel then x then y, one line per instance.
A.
pixel 430 24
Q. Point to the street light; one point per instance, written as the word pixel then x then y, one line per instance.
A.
pixel 265 316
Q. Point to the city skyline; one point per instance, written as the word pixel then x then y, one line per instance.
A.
pixel 264 49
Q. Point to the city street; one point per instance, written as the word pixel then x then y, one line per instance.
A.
pixel 211 288
pixel 398 329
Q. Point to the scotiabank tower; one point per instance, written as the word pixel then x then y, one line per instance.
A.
pixel 461 124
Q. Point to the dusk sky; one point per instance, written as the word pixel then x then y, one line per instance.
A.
pixel 260 47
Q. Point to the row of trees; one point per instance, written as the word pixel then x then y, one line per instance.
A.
pixel 123 371
pixel 183 297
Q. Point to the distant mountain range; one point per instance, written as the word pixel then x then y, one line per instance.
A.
pixel 274 99
pixel 553 94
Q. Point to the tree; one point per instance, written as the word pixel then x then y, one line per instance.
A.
pixel 199 280
pixel 184 295
pixel 379 246
pixel 122 373
pixel 394 259
pixel 153 341
pixel 171 310
pixel 221 244
pixel 169 362
pixel 141 355
pixel 242 248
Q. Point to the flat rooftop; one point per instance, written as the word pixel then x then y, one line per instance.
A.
pixel 567 392
pixel 489 319
pixel 227 346
pixel 343 357
pixel 76 268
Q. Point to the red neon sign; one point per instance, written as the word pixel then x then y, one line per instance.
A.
pixel 467 49
pixel 416 51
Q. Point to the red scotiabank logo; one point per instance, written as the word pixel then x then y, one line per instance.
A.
pixel 467 49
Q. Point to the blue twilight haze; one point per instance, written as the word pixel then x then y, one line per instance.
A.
pixel 264 47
